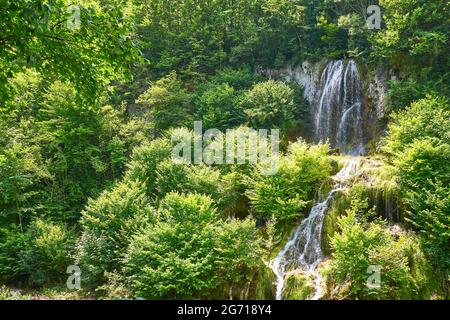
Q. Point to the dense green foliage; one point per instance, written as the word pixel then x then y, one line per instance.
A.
pixel 37 34
pixel 86 120
pixel 418 145
pixel 299 175
pixel 359 245
pixel 190 251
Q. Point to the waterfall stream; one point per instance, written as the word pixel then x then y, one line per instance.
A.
pixel 338 119
pixel 338 114
pixel 303 251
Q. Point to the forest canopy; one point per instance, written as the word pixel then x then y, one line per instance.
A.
pixel 91 92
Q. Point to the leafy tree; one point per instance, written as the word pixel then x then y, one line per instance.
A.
pixel 189 252
pixel 37 34
pixel 415 30
pixel 418 146
pixel 285 194
pixel 20 173
pixel 413 43
pixel 238 79
pixel 182 178
pixel 424 118
pixel 108 223
pixel 48 251
pixel 359 245
pixel 166 103
pixel 219 108
pixel 269 104
pixel 12 242
pixel 144 161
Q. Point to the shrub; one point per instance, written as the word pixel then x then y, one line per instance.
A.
pixel 286 193
pixel 189 251
pixel 184 178
pixel 269 105
pixel 12 242
pixel 418 146
pixel 426 118
pixel 108 224
pixel 48 252
pixel 218 107
pixel 359 245
pixel 166 103
pixel 239 79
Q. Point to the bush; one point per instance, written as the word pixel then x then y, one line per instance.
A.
pixel 184 178
pixel 359 245
pixel 286 193
pixel 189 251
pixel 218 107
pixel 108 224
pixel 426 118
pixel 12 242
pixel 418 146
pixel 424 175
pixel 270 105
pixel 166 103
pixel 145 160
pixel 20 172
pixel 48 252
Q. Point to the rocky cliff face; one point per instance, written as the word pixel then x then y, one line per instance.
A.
pixel 315 79
pixel 307 75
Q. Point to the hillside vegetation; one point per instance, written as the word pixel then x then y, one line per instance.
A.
pixel 87 179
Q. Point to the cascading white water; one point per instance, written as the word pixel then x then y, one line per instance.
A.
pixel 338 114
pixel 338 118
pixel 303 251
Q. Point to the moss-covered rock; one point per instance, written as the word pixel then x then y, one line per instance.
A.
pixel 298 286
pixel 330 227
pixel 377 183
pixel 264 288
pixel 261 286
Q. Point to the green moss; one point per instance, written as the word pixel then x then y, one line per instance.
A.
pixel 260 286
pixel 330 227
pixel 298 287
pixel 264 284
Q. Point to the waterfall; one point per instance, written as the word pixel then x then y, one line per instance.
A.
pixel 338 113
pixel 303 251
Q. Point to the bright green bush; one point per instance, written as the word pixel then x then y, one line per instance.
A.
pixel 424 175
pixel 145 160
pixel 426 118
pixel 418 145
pixel 232 193
pixel 184 178
pixel 269 105
pixel 166 103
pixel 190 251
pixel 108 223
pixel 239 79
pixel 20 172
pixel 299 175
pixel 414 34
pixel 218 107
pixel 48 252
pixel 358 245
